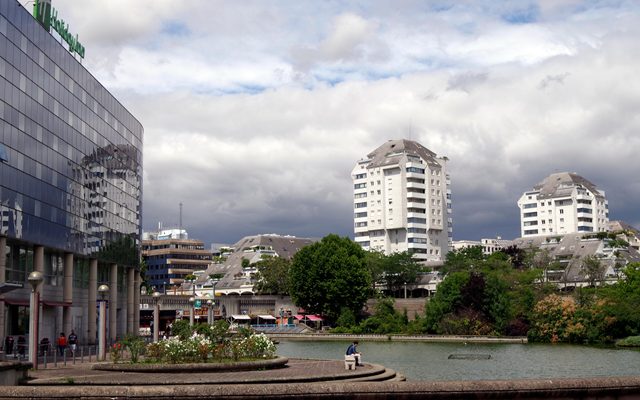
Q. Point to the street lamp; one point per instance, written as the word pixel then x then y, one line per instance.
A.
pixel 102 331
pixel 156 315
pixel 35 278
pixel 210 311
pixel 215 278
pixel 191 316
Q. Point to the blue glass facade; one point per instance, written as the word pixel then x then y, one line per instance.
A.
pixel 70 187
pixel 71 174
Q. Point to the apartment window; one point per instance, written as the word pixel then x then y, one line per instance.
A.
pixel 361 205
pixel 561 211
pixel 390 201
pixel 414 169
pixel 379 192
pixel 561 219
pixel 361 176
pixel 359 185
pixel 360 214
pixel 529 205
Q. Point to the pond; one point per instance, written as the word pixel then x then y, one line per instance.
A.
pixel 430 361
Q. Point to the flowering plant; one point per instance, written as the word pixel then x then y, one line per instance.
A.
pixel 116 352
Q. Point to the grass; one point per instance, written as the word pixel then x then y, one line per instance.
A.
pixel 631 341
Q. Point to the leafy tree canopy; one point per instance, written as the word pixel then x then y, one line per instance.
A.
pixel 272 276
pixel 330 275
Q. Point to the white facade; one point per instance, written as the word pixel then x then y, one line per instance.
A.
pixel 563 203
pixel 402 201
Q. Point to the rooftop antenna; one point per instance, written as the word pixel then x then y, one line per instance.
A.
pixel 180 227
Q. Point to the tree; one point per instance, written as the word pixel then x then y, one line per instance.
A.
pixel 330 275
pixel 400 269
pixel 272 276
pixel 594 270
pixel 463 259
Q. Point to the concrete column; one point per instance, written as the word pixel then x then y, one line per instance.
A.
pixel 3 274
pixel 67 293
pixel 136 303
pixel 91 304
pixel 130 300
pixel 38 258
pixel 113 302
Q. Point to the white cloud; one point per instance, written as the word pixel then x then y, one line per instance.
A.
pixel 255 114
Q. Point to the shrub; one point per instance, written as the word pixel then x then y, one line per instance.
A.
pixel 136 346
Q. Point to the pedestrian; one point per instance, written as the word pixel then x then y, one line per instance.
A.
pixel 8 345
pixel 73 341
pixel 62 344
pixel 352 350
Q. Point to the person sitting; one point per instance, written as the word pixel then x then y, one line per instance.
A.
pixel 352 350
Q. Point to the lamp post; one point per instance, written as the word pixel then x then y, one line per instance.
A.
pixel 156 315
pixel 215 278
pixel 192 311
pixel 210 311
pixel 34 279
pixel 102 329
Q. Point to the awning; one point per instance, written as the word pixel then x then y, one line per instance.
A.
pixel 243 317
pixel 17 302
pixel 9 286
pixel 298 317
pixel 266 317
pixel 52 303
pixel 313 318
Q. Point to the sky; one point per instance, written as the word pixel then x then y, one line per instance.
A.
pixel 255 112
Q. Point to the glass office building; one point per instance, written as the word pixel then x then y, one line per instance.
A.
pixel 70 187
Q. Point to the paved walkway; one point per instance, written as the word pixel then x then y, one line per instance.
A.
pixel 297 370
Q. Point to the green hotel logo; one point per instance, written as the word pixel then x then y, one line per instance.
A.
pixel 47 16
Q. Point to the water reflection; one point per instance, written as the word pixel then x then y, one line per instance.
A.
pixel 430 361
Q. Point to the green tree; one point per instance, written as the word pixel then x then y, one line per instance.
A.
pixel 399 269
pixel 272 276
pixel 330 275
pixel 594 269
pixel 463 259
pixel 447 299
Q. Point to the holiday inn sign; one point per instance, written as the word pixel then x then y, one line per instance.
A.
pixel 47 16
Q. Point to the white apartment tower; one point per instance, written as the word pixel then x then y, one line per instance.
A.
pixel 402 201
pixel 563 203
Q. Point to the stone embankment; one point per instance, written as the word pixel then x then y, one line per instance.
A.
pixel 400 338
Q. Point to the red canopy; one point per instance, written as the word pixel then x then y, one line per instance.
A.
pixel 314 318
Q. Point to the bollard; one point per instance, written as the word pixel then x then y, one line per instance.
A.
pixel 45 359
pixel 55 358
pixel 73 357
pixel 82 354
pixel 64 357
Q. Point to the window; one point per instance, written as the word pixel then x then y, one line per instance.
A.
pixel 561 211
pixel 359 185
pixel 360 214
pixel 529 205
pixel 530 214
pixel 361 176
pixel 361 205
pixel 414 169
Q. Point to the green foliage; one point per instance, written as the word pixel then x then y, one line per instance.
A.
pixel 399 269
pixel 330 275
pixel 272 276
pixel 245 263
pixel 447 299
pixel 135 344
pixel 182 329
pixel 594 269
pixel 347 318
pixel 384 320
pixel 463 259
pixel 631 341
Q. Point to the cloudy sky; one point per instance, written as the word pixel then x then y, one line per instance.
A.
pixel 255 112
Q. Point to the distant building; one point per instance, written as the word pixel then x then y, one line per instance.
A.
pixel 562 257
pixel 489 246
pixel 563 203
pixel 402 201
pixel 170 260
pixel 626 232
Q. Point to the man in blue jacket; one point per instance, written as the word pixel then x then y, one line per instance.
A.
pixel 352 350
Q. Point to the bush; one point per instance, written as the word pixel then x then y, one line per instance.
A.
pixel 631 341
pixel 136 346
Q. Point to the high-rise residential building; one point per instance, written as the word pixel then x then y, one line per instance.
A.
pixel 70 183
pixel 402 201
pixel 563 203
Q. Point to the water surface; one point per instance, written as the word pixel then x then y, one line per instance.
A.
pixel 429 361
